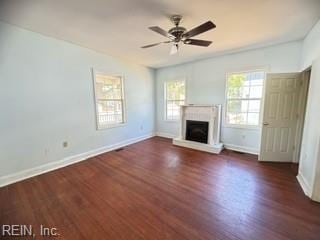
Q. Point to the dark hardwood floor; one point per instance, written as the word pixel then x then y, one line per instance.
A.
pixel 154 190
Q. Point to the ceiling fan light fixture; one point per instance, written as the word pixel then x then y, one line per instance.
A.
pixel 174 49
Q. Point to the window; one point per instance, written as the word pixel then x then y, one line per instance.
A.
pixel 109 100
pixel 174 98
pixel 244 95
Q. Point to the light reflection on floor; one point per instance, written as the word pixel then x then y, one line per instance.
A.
pixel 172 160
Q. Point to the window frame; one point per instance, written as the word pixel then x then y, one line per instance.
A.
pixel 245 126
pixel 123 99
pixel 165 98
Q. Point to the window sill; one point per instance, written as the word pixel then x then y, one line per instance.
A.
pixel 248 127
pixel 104 127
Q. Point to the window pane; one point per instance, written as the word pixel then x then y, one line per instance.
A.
pixel 254 106
pixel 237 118
pixel 245 92
pixel 253 118
pixel 173 109
pixel 234 92
pixel 108 87
pixel 256 92
pixel 175 90
pixel 109 112
pixel 246 82
pixel 237 106
pixel 235 84
pixel 257 78
pixel 257 82
pixel 241 92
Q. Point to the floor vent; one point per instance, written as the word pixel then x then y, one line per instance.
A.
pixel 119 149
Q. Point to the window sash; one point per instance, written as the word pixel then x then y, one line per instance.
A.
pixel 170 112
pixel 246 121
pixel 112 117
pixel 248 99
pixel 109 111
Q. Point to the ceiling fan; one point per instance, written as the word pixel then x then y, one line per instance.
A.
pixel 178 35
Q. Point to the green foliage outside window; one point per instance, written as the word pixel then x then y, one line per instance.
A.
pixel 175 90
pixel 235 84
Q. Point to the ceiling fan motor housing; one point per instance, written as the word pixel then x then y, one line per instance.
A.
pixel 177 32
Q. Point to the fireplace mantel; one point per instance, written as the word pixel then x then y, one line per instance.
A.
pixel 206 113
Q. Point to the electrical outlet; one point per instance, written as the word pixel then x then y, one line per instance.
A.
pixel 65 144
pixel 141 127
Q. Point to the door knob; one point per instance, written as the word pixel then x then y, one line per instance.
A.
pixel 265 124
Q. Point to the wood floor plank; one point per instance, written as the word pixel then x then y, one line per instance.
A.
pixel 154 190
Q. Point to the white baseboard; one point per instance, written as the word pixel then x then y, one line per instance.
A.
pixel 304 184
pixel 165 135
pixel 19 176
pixel 241 149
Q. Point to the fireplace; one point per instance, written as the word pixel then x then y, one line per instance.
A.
pixel 200 128
pixel 197 131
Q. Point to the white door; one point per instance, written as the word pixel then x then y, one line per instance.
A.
pixel 280 117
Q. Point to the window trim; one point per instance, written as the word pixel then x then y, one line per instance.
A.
pixel 124 115
pixel 246 126
pixel 165 98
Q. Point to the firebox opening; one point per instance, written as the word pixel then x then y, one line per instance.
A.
pixel 197 131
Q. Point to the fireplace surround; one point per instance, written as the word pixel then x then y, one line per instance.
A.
pixel 200 128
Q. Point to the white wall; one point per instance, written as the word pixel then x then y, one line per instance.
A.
pixel 206 80
pixel 311 47
pixel 310 155
pixel 46 97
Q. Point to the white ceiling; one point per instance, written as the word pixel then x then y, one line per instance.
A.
pixel 120 27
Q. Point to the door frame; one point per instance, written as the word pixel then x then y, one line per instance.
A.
pixel 303 99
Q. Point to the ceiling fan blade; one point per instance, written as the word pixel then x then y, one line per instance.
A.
pixel 151 45
pixel 200 29
pixel 197 42
pixel 154 44
pixel 161 31
pixel 174 49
